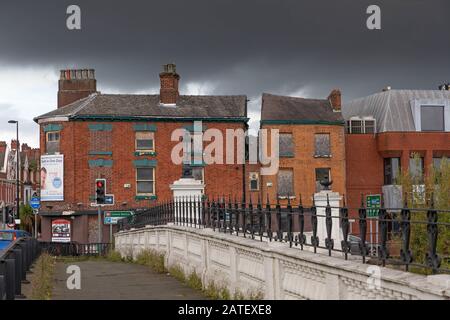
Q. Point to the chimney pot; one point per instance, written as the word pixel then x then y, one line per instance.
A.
pixel 75 84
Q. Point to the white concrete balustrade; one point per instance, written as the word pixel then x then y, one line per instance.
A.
pixel 275 270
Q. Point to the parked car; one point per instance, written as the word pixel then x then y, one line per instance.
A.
pixel 8 236
pixel 354 246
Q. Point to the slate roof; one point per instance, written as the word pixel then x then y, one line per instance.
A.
pixel 392 109
pixel 147 106
pixel 294 109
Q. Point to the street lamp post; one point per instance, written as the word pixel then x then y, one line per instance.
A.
pixel 17 169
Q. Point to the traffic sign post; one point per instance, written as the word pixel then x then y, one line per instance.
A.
pixel 373 201
pixel 35 202
pixel 111 217
pixel 373 205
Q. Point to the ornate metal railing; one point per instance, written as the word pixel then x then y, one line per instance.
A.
pixel 416 238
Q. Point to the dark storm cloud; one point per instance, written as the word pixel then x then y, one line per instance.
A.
pixel 246 46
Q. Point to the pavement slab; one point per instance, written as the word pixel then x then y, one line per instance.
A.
pixel 104 280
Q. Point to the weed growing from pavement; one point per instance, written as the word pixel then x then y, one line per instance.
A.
pixel 42 281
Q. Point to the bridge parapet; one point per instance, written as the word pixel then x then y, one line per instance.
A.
pixel 275 270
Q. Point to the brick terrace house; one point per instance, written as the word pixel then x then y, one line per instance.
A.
pixel 311 145
pixel 29 173
pixel 7 187
pixel 385 130
pixel 126 139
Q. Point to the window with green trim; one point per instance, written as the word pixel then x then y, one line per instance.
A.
pixel 145 181
pixel 145 141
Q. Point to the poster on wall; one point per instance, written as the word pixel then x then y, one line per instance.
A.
pixel 61 230
pixel 52 177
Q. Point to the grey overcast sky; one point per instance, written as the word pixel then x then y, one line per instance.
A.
pixel 290 47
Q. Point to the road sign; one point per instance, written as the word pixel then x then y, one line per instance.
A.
pixel 109 199
pixel 373 201
pixel 111 217
pixel 35 202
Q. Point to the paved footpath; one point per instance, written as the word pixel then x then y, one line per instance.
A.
pixel 104 280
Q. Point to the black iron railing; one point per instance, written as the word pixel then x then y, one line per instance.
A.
pixel 75 249
pixel 410 237
pixel 15 261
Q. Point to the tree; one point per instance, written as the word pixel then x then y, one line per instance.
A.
pixel 422 193
pixel 26 218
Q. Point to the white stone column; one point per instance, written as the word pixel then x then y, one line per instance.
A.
pixel 186 188
pixel 334 199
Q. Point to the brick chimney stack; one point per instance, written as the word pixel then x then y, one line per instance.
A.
pixel 335 99
pixel 169 84
pixel 75 85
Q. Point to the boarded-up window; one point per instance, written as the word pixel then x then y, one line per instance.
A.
pixel 286 147
pixel 52 143
pixel 145 141
pixel 285 183
pixel 322 144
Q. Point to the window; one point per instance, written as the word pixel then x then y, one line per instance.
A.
pixel 286 148
pixel 355 126
pixel 391 170
pixel 416 169
pixel 145 180
pixel 285 183
pixel 358 125
pixel 437 163
pixel 369 126
pixel 322 143
pixel 432 118
pixel 322 174
pixel 198 173
pixel 145 141
pixel 254 181
pixel 52 142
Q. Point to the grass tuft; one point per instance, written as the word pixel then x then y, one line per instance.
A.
pixel 153 259
pixel 42 281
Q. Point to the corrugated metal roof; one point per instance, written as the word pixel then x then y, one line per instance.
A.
pixel 392 108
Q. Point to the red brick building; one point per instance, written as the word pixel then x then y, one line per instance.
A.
pixel 127 140
pixel 384 131
pixel 311 146
pixel 28 178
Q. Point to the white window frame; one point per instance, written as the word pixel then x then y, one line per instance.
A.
pixel 417 104
pixel 47 134
pixel 154 182
pixel 363 124
pixel 136 139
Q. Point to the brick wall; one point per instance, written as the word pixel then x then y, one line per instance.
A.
pixel 77 140
pixel 304 163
